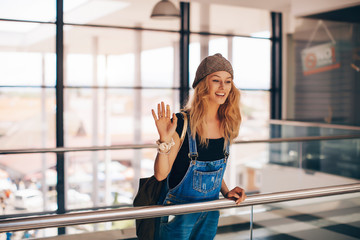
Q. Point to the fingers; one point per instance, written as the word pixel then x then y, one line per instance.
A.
pixel 243 195
pixel 174 118
pixel 154 114
pixel 167 114
pixel 159 110
pixel 233 195
pixel 240 199
pixel 237 194
pixel 162 111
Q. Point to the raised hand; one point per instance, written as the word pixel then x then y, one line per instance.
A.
pixel 165 126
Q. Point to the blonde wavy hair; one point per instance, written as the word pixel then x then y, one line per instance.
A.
pixel 229 113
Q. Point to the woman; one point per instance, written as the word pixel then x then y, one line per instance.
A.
pixel 195 169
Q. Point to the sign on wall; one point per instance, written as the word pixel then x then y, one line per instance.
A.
pixel 319 58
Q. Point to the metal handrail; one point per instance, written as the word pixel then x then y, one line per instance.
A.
pixel 313 124
pixel 142 146
pixel 62 220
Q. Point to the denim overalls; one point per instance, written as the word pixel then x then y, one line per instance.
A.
pixel 202 182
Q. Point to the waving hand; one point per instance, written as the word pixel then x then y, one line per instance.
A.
pixel 165 126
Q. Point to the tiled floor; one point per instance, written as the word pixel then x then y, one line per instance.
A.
pixel 335 218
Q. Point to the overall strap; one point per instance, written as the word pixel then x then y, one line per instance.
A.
pixel 193 154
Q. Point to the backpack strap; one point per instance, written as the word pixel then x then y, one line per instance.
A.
pixel 184 129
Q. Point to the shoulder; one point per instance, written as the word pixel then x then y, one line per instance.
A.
pixel 179 115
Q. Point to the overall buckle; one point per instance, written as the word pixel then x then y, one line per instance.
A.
pixel 194 156
pixel 226 156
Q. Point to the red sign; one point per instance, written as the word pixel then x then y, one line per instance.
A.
pixel 320 58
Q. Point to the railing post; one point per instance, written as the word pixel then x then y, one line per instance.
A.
pixel 60 163
pixel 184 53
pixel 251 222
pixel 300 144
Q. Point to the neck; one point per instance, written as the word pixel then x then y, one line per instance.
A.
pixel 212 113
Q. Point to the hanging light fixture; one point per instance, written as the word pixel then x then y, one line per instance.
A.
pixel 165 10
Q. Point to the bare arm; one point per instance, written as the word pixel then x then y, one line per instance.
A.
pixel 167 130
pixel 224 189
pixel 164 162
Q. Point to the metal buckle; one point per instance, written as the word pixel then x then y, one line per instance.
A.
pixel 226 156
pixel 194 155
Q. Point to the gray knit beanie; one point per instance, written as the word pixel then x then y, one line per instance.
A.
pixel 210 65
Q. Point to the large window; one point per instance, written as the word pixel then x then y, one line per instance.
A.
pixel 248 48
pixel 118 64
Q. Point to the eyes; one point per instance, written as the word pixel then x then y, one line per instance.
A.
pixel 217 81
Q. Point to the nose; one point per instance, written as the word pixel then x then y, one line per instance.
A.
pixel 221 84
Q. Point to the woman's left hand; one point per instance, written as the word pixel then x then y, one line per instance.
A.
pixel 237 194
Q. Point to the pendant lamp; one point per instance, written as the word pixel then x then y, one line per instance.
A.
pixel 165 10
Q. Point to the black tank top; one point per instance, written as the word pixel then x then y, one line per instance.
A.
pixel 214 151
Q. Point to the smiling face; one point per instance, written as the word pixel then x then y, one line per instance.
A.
pixel 219 86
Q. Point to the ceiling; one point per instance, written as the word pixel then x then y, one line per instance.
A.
pixel 15 36
pixel 350 14
pixel 296 8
